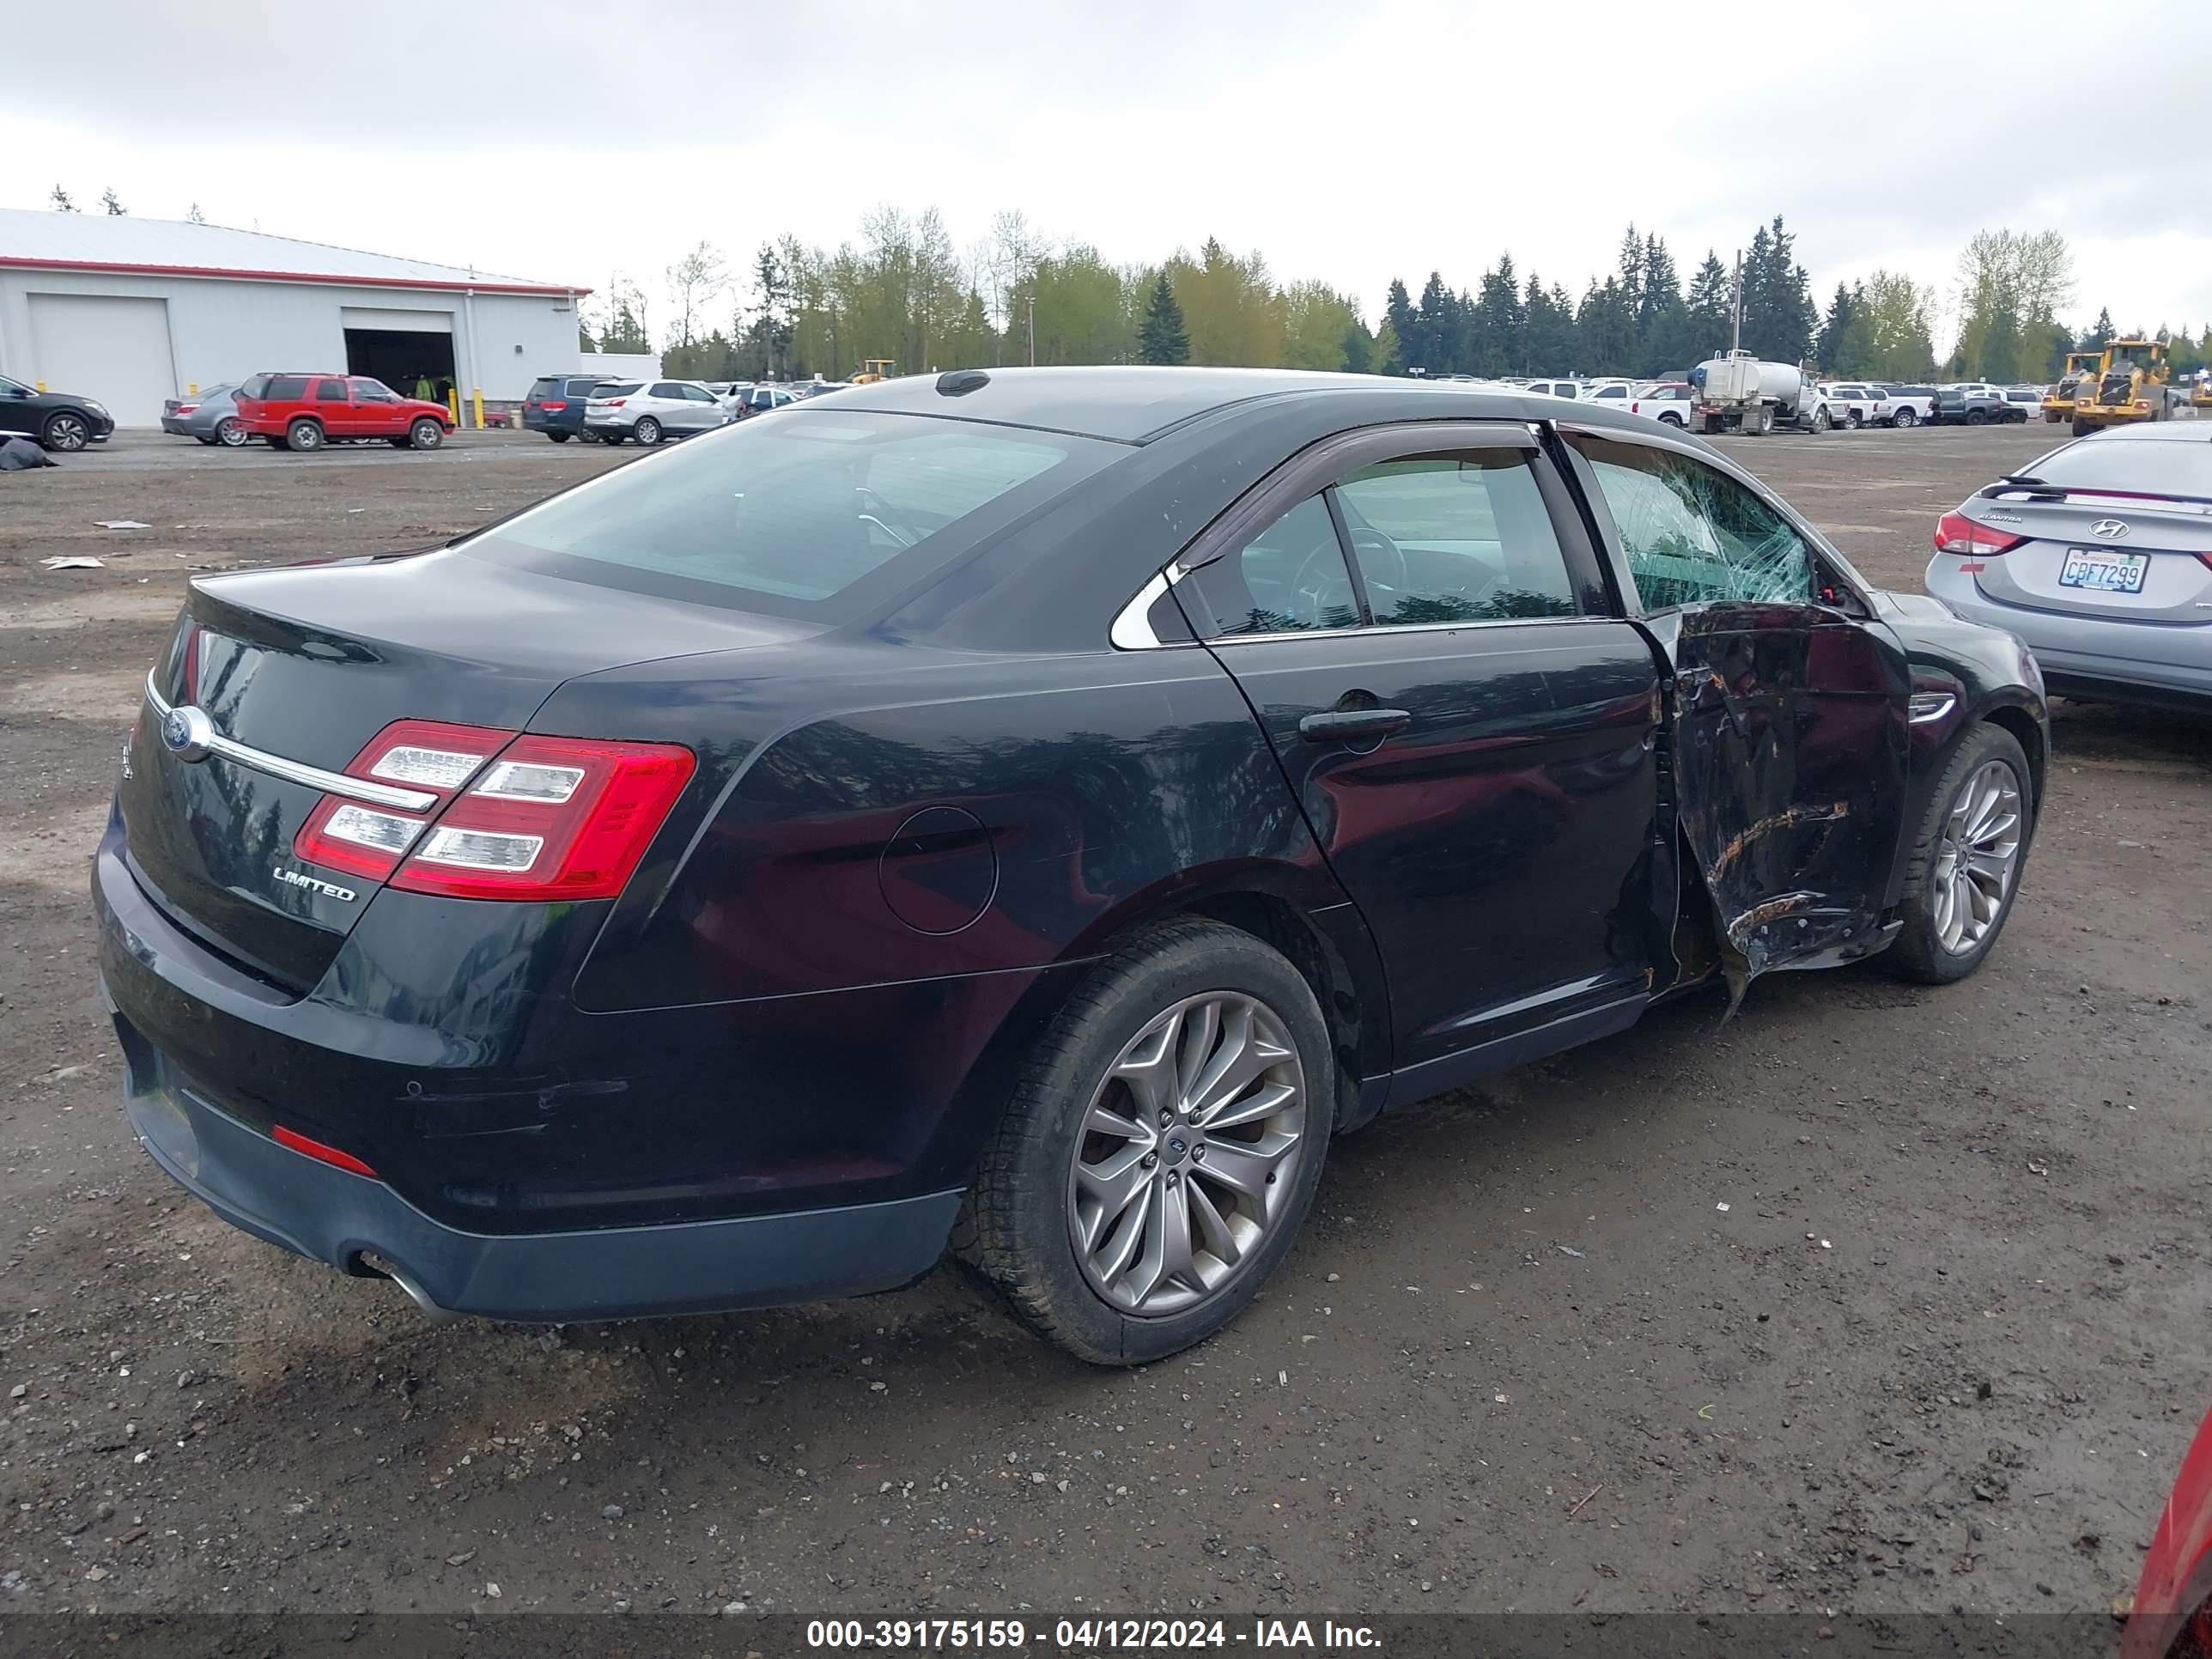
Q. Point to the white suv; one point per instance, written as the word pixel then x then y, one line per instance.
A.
pixel 651 411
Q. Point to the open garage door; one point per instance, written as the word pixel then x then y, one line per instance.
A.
pixel 115 351
pixel 410 352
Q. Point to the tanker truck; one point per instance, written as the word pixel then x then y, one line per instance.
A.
pixel 1738 393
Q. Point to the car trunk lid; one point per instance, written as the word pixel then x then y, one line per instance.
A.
pixel 2117 558
pixel 303 667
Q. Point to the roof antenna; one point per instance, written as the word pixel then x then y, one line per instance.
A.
pixel 959 382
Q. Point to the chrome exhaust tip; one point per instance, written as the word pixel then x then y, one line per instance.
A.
pixel 406 1281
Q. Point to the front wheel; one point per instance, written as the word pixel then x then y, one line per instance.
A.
pixel 1820 422
pixel 66 432
pixel 425 433
pixel 1904 417
pixel 1966 855
pixel 647 431
pixel 1162 1147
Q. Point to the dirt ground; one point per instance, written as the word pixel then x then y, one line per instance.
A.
pixel 1877 1297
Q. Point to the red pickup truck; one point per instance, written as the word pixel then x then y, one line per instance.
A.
pixel 306 411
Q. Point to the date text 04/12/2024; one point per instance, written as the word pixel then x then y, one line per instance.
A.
pixel 1087 1635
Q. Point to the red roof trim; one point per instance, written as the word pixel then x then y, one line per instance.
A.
pixel 458 285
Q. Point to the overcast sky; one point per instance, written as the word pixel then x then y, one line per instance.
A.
pixel 1348 142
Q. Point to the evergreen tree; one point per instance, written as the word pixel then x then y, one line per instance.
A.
pixel 2099 333
pixel 1434 347
pixel 61 201
pixel 1662 329
pixel 1403 326
pixel 1827 346
pixel 1630 276
pixel 193 216
pixel 1779 315
pixel 1605 330
pixel 1164 338
pixel 1500 323
pixel 1710 307
pixel 115 208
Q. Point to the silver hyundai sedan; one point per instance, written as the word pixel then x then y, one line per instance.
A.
pixel 2099 556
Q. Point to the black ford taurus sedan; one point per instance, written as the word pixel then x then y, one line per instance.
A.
pixel 1027 813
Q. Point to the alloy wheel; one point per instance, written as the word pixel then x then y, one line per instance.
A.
pixel 66 433
pixel 1977 857
pixel 1187 1154
pixel 230 432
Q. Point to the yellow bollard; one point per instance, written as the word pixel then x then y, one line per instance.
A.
pixel 454 404
pixel 40 385
pixel 191 388
pixel 479 395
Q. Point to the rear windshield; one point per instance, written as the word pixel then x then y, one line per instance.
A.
pixel 546 384
pixel 581 388
pixel 2138 466
pixel 616 388
pixel 795 517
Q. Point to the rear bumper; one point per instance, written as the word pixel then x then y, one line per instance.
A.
pixel 330 1215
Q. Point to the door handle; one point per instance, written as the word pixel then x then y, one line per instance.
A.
pixel 1340 724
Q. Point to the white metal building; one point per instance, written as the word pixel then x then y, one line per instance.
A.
pixel 133 310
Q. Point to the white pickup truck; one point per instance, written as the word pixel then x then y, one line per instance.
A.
pixel 1856 403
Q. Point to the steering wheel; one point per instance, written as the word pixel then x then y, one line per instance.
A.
pixel 1381 561
pixel 874 510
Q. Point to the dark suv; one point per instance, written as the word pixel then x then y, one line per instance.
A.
pixel 53 420
pixel 555 405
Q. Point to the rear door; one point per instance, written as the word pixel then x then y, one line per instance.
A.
pixel 1468 731
pixel 332 404
pixel 1791 740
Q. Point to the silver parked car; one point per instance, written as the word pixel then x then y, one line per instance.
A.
pixel 210 416
pixel 2099 556
pixel 651 411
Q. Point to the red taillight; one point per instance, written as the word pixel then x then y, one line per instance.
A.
pixel 315 1149
pixel 186 409
pixel 555 407
pixel 552 819
pixel 616 403
pixel 513 818
pixel 1957 533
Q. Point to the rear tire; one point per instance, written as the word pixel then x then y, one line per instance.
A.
pixel 230 432
pixel 304 435
pixel 647 431
pixel 2082 429
pixel 1904 418
pixel 1927 950
pixel 209 443
pixel 425 433
pixel 1976 417
pixel 558 437
pixel 1019 1227
pixel 1671 419
pixel 610 437
pixel 1853 420
pixel 278 443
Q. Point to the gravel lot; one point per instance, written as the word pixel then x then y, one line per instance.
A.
pixel 1876 1297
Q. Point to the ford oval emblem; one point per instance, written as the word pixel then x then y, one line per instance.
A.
pixel 187 733
pixel 2109 530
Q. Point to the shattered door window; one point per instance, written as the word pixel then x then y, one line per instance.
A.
pixel 1692 534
